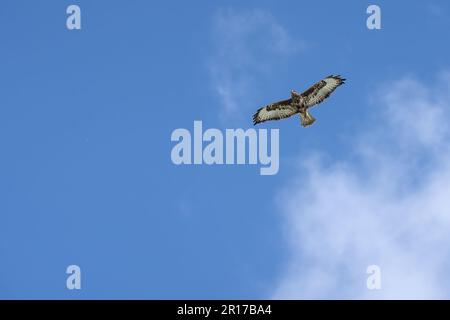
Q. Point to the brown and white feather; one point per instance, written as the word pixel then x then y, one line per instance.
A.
pixel 275 111
pixel 321 90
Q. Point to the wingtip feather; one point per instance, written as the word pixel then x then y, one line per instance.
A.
pixel 338 77
pixel 255 118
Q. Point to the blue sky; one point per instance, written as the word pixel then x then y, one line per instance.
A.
pixel 85 122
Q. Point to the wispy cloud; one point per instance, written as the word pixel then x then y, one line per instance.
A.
pixel 248 46
pixel 389 207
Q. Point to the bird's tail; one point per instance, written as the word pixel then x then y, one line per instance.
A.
pixel 306 118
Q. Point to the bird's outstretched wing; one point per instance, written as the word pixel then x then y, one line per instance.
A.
pixel 275 111
pixel 321 90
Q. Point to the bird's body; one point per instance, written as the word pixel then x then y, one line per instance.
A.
pixel 299 102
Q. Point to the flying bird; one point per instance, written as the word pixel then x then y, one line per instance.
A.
pixel 299 102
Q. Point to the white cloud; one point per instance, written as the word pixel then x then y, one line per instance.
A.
pixel 389 207
pixel 248 47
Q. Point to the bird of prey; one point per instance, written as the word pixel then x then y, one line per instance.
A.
pixel 299 102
